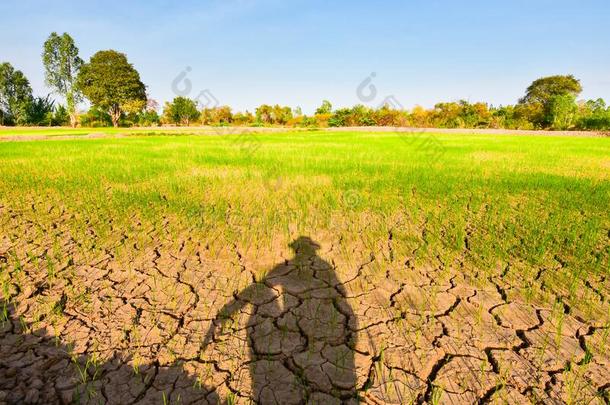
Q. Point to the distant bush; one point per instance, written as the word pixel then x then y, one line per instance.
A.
pixel 148 118
pixel 40 111
pixel 245 118
pixel 273 115
pixel 218 116
pixel 95 118
pixel 181 111
pixel 61 116
pixel 594 115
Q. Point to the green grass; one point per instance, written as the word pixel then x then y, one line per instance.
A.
pixel 66 131
pixel 54 131
pixel 477 201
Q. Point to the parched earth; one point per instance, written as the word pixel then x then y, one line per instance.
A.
pixel 147 316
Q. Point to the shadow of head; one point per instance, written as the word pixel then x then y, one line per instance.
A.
pixel 304 245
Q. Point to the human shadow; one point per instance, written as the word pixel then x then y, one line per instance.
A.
pixel 36 368
pixel 301 339
pixel 300 332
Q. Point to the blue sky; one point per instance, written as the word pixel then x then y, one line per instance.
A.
pixel 248 52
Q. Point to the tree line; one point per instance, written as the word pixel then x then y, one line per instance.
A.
pixel 118 97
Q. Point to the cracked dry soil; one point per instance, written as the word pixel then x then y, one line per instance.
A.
pixel 180 323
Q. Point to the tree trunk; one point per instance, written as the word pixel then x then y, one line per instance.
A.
pixel 115 115
pixel 71 102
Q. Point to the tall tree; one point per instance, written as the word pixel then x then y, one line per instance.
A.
pixel 540 94
pixel 111 83
pixel 15 95
pixel 62 64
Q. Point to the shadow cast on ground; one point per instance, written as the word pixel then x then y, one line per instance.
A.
pixel 300 337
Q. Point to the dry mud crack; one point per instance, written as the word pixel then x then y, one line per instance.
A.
pixel 174 322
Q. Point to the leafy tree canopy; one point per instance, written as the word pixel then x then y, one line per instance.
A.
pixel 544 89
pixel 15 95
pixel 325 108
pixel 181 111
pixel 111 83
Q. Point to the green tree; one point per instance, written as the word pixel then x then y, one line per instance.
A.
pixel 510 117
pixel 562 111
pixel 325 108
pixel 447 115
pixel 243 118
pixel 361 116
pixel 269 115
pixel 475 115
pixel 60 116
pixel 15 96
pixel 340 118
pixel 40 111
pixel 264 114
pixel 62 64
pixel 387 116
pixel 594 115
pixel 95 117
pixel 281 115
pixel 544 89
pixel 181 111
pixel 111 83
pixel 532 113
pixel 540 93
pixel 149 116
pixel 597 106
pixel 217 116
